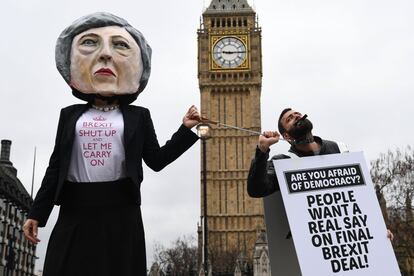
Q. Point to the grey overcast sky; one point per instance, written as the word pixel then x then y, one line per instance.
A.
pixel 347 64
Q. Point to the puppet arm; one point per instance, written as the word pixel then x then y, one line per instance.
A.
pixel 44 201
pixel 157 157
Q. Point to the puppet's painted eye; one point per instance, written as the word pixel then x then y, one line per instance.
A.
pixel 121 45
pixel 88 42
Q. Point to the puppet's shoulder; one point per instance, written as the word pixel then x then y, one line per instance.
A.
pixel 135 109
pixel 73 111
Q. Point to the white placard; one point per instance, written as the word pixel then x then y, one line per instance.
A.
pixel 334 216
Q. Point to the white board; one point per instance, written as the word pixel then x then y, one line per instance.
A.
pixel 334 217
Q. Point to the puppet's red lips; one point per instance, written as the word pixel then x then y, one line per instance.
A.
pixel 105 72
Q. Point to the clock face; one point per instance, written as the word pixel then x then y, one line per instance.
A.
pixel 229 52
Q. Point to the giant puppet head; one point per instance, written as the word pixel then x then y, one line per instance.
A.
pixel 102 55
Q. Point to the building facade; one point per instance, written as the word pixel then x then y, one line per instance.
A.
pixel 230 80
pixel 17 255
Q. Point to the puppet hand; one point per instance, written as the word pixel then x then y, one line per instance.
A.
pixel 30 230
pixel 267 139
pixel 192 117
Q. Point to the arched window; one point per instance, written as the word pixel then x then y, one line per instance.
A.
pixel 228 22
pixel 264 261
pixel 212 22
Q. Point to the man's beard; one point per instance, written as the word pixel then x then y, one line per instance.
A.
pixel 301 130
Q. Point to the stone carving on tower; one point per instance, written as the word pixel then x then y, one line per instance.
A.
pixel 230 80
pixel 261 261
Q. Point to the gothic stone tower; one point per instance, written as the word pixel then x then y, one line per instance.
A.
pixel 230 78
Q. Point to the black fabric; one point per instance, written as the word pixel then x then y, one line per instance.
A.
pixel 117 192
pixel 90 98
pixel 262 180
pixel 140 142
pixel 99 232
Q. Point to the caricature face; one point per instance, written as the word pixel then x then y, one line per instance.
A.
pixel 105 61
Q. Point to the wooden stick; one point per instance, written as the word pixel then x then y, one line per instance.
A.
pixel 206 120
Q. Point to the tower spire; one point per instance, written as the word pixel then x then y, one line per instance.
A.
pixel 229 6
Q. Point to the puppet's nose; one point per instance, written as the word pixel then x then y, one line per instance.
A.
pixel 105 55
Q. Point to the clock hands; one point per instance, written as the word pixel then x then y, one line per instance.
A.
pixel 233 52
pixel 230 52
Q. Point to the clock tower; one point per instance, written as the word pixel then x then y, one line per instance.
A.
pixel 230 80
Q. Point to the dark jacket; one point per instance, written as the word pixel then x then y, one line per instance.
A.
pixel 262 180
pixel 140 144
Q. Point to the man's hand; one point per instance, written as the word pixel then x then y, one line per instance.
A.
pixel 390 235
pixel 30 230
pixel 267 139
pixel 192 117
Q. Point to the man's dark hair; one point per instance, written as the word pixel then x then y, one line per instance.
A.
pixel 279 122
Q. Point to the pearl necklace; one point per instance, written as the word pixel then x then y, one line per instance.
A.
pixel 106 108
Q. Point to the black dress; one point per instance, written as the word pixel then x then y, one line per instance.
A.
pixel 97 233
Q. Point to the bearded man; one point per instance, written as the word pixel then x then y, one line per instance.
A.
pixel 296 129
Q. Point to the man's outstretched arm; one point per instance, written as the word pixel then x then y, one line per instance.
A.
pixel 262 179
